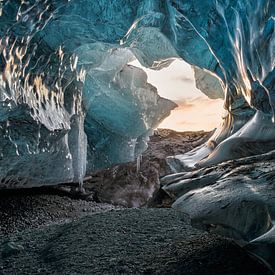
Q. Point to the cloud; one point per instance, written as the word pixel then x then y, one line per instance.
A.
pixel 185 123
pixel 194 114
pixel 184 104
pixel 185 79
pixel 193 102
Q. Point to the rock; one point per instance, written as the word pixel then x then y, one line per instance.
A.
pixel 208 84
pixel 136 184
pixel 125 185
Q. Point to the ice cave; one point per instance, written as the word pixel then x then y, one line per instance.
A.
pixel 72 102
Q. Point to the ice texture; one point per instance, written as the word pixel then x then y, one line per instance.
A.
pixel 71 103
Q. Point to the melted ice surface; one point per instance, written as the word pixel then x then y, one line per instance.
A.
pixel 70 103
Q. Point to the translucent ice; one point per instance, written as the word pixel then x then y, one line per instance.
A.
pixel 70 101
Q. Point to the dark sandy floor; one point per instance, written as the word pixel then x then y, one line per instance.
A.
pixel 131 241
pixel 42 207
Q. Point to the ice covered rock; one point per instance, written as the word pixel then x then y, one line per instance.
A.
pixel 235 199
pixel 239 50
pixel 264 248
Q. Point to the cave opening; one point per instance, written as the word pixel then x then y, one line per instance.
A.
pixel 196 111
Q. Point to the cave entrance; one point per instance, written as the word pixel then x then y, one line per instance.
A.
pixel 195 110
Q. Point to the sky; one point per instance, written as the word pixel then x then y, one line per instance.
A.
pixel 196 111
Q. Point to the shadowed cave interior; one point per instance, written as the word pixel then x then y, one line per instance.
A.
pixel 73 105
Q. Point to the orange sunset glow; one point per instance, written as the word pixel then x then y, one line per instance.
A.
pixel 200 113
pixel 195 110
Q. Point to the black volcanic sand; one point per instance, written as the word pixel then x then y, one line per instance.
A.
pixel 33 208
pixel 131 241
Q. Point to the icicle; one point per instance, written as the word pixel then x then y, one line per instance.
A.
pixel 139 160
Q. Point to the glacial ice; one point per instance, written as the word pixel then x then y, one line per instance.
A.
pixel 71 102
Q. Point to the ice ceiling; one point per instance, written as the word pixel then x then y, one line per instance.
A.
pixel 70 103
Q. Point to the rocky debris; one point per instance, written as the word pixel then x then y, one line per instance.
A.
pixel 136 184
pixel 166 142
pixel 131 241
pixel 125 185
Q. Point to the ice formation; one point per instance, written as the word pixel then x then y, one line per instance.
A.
pixel 68 93
pixel 70 103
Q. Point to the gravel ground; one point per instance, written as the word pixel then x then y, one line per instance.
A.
pixel 131 241
pixel 33 208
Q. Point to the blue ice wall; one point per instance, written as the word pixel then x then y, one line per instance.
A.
pixel 70 102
